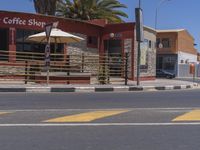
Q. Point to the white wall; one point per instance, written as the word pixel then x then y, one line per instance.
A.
pixel 186 57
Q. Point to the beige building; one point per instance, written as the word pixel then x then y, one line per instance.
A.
pixel 175 47
pixel 148 55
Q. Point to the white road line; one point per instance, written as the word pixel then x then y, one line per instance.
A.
pixel 100 124
pixel 92 109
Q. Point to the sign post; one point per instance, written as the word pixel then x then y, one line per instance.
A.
pixel 48 28
pixel 47 60
pixel 139 38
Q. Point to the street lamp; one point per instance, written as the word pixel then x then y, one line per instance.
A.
pixel 159 4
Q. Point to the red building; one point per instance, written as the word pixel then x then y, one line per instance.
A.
pixel 100 37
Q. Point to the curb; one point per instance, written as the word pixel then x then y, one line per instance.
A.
pixel 95 89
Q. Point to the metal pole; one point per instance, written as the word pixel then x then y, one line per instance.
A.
pixel 47 75
pixel 194 73
pixel 108 63
pixel 138 64
pixel 107 69
pixel 26 72
pixel 82 62
pixel 156 15
pixel 156 18
pixel 126 68
pixel 139 3
pixel 48 65
pixel 48 28
pixel 68 68
pixel 139 38
pixel 55 48
pixel 194 77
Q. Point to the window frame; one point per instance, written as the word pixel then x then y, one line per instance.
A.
pixel 166 42
pixel 92 41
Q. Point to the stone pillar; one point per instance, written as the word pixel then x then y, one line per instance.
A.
pixel 128 47
pixel 12 45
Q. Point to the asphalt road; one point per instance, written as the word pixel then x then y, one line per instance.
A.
pixel 184 98
pixel 149 121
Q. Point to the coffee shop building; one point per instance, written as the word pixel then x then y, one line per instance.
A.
pixel 100 37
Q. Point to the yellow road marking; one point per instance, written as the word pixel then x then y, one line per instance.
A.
pixel 3 113
pixel 86 117
pixel 190 116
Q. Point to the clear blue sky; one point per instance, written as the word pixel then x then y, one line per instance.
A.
pixel 173 14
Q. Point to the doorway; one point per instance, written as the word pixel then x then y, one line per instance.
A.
pixel 113 49
pixel 4 44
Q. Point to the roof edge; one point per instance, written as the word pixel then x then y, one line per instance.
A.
pixel 170 30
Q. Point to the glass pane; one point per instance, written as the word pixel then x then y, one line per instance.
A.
pixel 166 43
pixel 19 35
pixel 19 47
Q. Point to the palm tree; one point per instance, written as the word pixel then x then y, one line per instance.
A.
pixel 47 7
pixel 92 9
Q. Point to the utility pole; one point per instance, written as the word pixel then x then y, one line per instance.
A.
pixel 139 3
pixel 139 37
pixel 157 8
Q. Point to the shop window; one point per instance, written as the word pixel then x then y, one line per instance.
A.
pixel 169 63
pixel 3 39
pixel 170 59
pixel 92 42
pixel 4 44
pixel 21 35
pixel 19 47
pixel 159 62
pixel 27 47
pixel 169 66
pixel 23 45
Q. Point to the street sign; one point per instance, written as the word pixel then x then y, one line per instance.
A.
pixel 47 55
pixel 139 25
pixel 48 28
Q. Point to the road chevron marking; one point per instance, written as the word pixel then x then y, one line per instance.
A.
pixel 86 117
pixel 3 113
pixel 193 115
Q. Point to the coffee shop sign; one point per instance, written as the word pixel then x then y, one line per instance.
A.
pixel 23 22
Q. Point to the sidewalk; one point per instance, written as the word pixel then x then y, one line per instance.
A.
pixel 159 84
